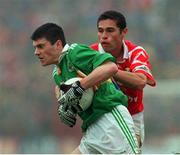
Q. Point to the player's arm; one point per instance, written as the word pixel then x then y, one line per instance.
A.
pixel 130 79
pixel 140 73
pixel 99 74
pixel 76 89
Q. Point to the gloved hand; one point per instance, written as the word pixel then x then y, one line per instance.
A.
pixel 72 95
pixel 67 115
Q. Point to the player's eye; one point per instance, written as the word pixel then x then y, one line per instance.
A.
pixel 40 46
pixel 110 30
pixel 100 30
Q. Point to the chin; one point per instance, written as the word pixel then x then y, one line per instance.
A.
pixel 105 46
pixel 107 49
pixel 44 64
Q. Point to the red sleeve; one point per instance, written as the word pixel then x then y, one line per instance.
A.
pixel 139 60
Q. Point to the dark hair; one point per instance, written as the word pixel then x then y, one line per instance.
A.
pixel 52 32
pixel 113 15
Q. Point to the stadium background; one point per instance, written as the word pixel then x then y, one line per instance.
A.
pixel 28 109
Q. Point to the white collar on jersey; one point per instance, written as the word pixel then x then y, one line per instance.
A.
pixel 125 55
pixel 100 48
pixel 66 47
pixel 62 54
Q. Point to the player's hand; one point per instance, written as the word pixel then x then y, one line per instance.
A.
pixel 72 95
pixel 67 115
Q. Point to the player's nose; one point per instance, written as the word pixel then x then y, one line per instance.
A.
pixel 104 36
pixel 36 52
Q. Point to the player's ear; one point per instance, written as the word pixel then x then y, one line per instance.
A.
pixel 59 44
pixel 124 31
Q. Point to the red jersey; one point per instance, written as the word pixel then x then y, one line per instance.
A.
pixel 135 59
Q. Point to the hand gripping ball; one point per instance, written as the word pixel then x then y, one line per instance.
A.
pixel 87 97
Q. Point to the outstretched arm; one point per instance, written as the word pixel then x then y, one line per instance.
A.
pixel 99 74
pixel 132 80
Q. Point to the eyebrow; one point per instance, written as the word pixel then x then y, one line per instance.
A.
pixel 107 28
pixel 42 43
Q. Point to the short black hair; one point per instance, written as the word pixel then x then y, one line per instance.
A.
pixel 113 15
pixel 52 32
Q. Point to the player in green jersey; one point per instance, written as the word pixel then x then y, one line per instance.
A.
pixel 107 125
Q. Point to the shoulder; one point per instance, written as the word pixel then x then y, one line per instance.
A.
pixel 134 50
pixel 130 45
pixel 73 46
pixel 76 50
pixel 78 47
pixel 81 52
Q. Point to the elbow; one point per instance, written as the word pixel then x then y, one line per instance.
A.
pixel 141 84
pixel 114 69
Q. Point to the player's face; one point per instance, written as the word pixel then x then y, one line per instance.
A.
pixel 46 52
pixel 109 35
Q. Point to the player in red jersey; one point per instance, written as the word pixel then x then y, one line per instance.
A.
pixel 133 63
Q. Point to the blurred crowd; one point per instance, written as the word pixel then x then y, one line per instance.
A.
pixel 27 103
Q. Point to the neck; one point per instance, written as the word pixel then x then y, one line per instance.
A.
pixel 118 53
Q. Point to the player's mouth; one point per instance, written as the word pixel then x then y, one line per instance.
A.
pixel 105 44
pixel 41 59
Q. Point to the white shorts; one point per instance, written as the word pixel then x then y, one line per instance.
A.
pixel 139 125
pixel 112 133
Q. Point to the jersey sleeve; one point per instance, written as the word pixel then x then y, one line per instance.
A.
pixel 87 59
pixel 139 60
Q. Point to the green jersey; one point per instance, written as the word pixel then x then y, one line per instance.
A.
pixel 81 57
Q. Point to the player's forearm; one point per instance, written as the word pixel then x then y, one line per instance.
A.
pixel 100 74
pixel 132 80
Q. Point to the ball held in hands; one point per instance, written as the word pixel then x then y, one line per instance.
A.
pixel 72 94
